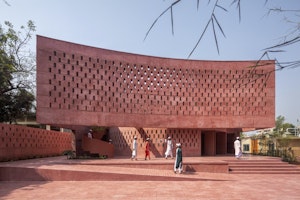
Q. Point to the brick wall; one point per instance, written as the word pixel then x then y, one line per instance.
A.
pixel 122 138
pixel 88 86
pixel 21 142
pixel 97 146
pixel 187 99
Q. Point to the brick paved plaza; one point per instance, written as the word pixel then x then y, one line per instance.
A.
pixel 123 182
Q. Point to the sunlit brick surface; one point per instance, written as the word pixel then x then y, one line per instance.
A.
pixel 122 139
pixel 20 142
pixel 82 85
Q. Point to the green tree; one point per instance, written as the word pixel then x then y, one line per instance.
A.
pixel 17 72
pixel 279 122
pixel 281 126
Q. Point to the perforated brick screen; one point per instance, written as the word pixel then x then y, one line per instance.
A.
pixel 83 85
pixel 20 142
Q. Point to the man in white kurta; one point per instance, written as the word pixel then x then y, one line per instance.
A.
pixel 237 148
pixel 134 149
pixel 169 148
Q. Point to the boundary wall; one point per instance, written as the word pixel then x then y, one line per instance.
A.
pixel 21 142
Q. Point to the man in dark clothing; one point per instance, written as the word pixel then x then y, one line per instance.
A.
pixel 178 160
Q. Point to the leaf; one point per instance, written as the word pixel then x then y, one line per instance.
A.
pixel 220 28
pixel 238 5
pixel 172 21
pixel 222 8
pixel 286 43
pixel 169 8
pixel 200 38
pixel 215 35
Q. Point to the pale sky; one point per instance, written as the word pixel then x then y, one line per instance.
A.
pixel 122 25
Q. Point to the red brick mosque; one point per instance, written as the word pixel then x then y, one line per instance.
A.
pixel 203 105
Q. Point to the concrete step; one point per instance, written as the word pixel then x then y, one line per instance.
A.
pixel 121 174
pixel 265 172
pixel 258 164
pixel 272 166
pixel 265 169
pixel 263 166
pixel 255 161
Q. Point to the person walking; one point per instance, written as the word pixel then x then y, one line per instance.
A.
pixel 169 148
pixel 178 159
pixel 134 148
pixel 147 149
pixel 237 148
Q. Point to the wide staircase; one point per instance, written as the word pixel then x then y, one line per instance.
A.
pixel 159 169
pixel 262 166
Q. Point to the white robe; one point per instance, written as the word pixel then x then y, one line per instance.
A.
pixel 169 149
pixel 134 149
pixel 237 148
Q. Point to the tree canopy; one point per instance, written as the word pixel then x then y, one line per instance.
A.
pixel 17 72
pixel 281 126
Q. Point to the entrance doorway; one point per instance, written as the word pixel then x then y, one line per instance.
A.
pixel 230 141
pixel 208 144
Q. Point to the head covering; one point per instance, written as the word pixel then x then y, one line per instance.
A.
pixel 135 137
pixel 169 138
pixel 178 144
pixel 148 139
pixel 237 138
pixel 91 130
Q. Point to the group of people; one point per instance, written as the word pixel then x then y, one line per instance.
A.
pixel 169 151
pixel 178 158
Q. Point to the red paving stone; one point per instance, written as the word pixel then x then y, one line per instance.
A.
pixel 198 185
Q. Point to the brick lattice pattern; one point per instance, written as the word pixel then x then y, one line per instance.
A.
pixel 21 142
pixel 122 138
pixel 89 86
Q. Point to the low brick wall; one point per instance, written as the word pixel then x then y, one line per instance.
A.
pixel 21 142
pixel 97 146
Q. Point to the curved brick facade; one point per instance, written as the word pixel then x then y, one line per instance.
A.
pixel 87 86
pixel 83 85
